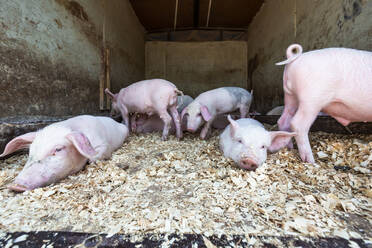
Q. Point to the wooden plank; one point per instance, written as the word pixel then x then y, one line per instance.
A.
pixel 78 239
pixel 103 63
pixel 102 80
pixel 325 124
pixel 108 79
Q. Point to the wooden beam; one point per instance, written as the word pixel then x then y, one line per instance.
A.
pixel 196 7
pixel 102 81
pixel 209 12
pixel 325 124
pixel 108 79
pixel 175 15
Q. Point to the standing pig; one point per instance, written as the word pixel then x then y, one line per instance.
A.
pixel 154 96
pixel 246 142
pixel 335 80
pixel 63 148
pixel 208 105
pixel 149 124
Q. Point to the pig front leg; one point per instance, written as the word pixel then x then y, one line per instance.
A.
pixel 204 131
pixel 290 108
pixel 243 109
pixel 166 118
pixel 301 123
pixel 177 121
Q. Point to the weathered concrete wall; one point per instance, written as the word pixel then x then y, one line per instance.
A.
pixel 50 54
pixel 314 24
pixel 198 66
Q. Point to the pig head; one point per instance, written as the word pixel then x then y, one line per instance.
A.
pixel 54 154
pixel 246 142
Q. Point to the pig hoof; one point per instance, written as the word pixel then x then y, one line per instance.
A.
pixel 17 187
pixel 308 158
pixel 164 138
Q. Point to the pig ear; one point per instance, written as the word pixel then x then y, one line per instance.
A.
pixel 110 94
pixel 279 139
pixel 205 113
pixel 183 113
pixel 233 126
pixel 82 144
pixel 18 143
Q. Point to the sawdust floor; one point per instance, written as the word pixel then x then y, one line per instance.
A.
pixel 189 187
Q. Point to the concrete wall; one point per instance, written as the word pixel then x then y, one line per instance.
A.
pixel 198 66
pixel 50 54
pixel 313 24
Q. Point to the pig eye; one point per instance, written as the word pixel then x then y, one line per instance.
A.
pixel 263 147
pixel 58 149
pixel 240 141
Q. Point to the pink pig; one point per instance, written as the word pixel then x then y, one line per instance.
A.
pixel 208 105
pixel 63 148
pixel 154 96
pixel 246 141
pixel 149 124
pixel 337 81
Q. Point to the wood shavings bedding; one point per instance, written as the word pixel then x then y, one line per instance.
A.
pixel 189 187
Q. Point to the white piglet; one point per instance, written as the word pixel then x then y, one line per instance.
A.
pixel 208 105
pixel 246 141
pixel 63 148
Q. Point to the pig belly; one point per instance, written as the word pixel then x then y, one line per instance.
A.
pixel 348 113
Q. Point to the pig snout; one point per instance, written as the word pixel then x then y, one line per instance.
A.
pixel 31 177
pixel 21 184
pixel 248 163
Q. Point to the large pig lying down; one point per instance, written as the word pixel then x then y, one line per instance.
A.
pixel 337 81
pixel 208 105
pixel 63 148
pixel 149 124
pixel 246 141
pixel 154 96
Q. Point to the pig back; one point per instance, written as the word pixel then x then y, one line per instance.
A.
pixel 142 96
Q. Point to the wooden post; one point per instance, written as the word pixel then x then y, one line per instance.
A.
pixel 108 82
pixel 102 81
pixel 103 63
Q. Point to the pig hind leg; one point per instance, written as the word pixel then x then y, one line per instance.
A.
pixel 290 108
pixel 177 120
pixel 167 119
pixel 301 123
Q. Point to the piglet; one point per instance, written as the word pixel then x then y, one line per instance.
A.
pixel 246 141
pixel 149 124
pixel 208 105
pixel 154 96
pixel 63 148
